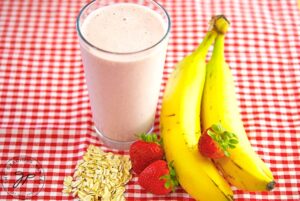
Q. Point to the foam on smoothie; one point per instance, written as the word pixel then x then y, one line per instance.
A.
pixel 123 27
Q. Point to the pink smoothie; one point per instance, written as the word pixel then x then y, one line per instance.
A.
pixel 123 88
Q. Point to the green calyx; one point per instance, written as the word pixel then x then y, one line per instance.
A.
pixel 171 179
pixel 225 139
pixel 150 137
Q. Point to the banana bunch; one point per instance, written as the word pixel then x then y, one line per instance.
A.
pixel 180 124
pixel 196 90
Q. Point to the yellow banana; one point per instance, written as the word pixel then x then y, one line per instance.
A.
pixel 244 168
pixel 180 125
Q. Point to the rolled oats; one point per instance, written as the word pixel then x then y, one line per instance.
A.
pixel 100 176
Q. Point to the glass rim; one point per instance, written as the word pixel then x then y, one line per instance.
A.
pixel 121 53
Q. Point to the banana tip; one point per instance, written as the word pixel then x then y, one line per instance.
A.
pixel 271 185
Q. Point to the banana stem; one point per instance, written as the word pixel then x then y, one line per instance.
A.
pixel 218 52
pixel 218 27
pixel 202 49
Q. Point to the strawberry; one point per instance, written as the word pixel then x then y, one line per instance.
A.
pixel 145 151
pixel 215 142
pixel 158 178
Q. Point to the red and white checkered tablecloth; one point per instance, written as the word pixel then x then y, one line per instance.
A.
pixel 45 118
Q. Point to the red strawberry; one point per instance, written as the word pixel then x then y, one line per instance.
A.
pixel 158 178
pixel 145 151
pixel 215 142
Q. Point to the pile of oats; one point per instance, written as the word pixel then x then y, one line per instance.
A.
pixel 99 176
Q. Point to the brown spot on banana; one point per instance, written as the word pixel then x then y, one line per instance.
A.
pixel 237 165
pixel 162 128
pixel 228 197
pixel 221 169
pixel 227 176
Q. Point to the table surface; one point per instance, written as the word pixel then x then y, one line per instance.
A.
pixel 44 106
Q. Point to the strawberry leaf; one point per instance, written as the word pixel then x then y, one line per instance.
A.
pixel 167 184
pixel 225 139
pixel 212 135
pixel 233 141
pixel 226 153
pixel 217 128
pixel 171 178
pixel 150 137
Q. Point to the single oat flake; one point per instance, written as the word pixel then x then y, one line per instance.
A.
pixel 100 176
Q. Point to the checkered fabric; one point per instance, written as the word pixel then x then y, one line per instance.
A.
pixel 45 117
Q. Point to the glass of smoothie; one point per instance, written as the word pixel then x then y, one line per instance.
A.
pixel 123 47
